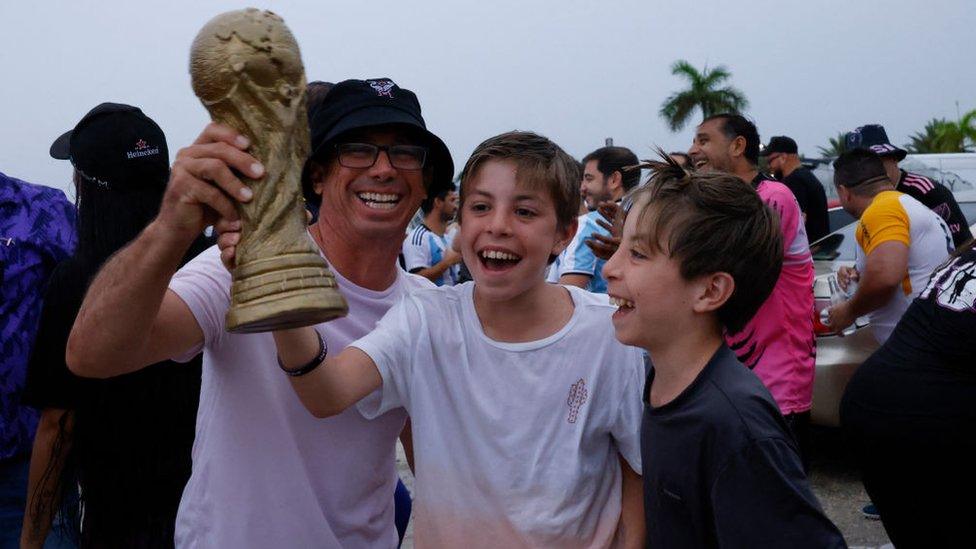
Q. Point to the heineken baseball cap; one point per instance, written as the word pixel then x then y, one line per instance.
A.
pixel 116 146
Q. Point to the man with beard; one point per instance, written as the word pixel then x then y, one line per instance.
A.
pixel 778 343
pixel 604 180
pixel 900 243
pixel 427 250
pixel 781 153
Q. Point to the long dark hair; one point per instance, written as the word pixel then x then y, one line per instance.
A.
pixel 108 218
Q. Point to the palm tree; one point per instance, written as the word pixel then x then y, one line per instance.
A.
pixel 943 136
pixel 967 125
pixel 703 93
pixel 835 146
pixel 929 140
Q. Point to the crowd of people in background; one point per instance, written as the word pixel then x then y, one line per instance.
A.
pixel 573 353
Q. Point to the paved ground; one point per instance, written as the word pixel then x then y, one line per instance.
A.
pixel 834 479
pixel 838 486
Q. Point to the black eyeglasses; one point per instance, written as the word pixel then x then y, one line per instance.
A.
pixel 364 155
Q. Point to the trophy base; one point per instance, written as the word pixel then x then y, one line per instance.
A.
pixel 283 292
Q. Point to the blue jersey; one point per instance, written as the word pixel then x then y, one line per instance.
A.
pixel 37 230
pixel 423 249
pixel 578 258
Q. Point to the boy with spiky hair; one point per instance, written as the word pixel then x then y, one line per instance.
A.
pixel 699 255
pixel 525 409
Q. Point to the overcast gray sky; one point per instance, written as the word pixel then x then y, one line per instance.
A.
pixel 575 71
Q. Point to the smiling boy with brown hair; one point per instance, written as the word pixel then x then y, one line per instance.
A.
pixel 525 409
pixel 700 253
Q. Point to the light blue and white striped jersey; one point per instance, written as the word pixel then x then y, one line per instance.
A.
pixel 423 249
pixel 578 258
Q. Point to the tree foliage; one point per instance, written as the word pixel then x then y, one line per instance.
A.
pixel 706 92
pixel 945 136
pixel 835 146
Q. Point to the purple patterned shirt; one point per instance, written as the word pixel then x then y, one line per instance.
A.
pixel 37 230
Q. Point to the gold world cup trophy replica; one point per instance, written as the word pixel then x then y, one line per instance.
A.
pixel 247 71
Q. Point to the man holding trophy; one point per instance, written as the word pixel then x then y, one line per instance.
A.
pixel 265 472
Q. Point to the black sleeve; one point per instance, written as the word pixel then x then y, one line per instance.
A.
pixel 941 201
pixel 957 223
pixel 799 191
pixel 761 498
pixel 49 382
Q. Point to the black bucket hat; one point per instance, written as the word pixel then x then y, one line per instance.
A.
pixel 116 146
pixel 357 104
pixel 873 138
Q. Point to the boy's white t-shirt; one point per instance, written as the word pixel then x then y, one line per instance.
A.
pixel 266 473
pixel 515 444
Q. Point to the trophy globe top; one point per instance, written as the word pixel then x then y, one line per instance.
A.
pixel 249 44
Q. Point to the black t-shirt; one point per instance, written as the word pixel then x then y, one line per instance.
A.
pixel 927 368
pixel 938 198
pixel 721 469
pixel 133 434
pixel 813 201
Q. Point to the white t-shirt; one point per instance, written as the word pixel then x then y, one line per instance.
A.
pixel 893 216
pixel 515 444
pixel 266 473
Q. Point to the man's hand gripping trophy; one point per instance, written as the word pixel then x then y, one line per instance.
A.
pixel 247 71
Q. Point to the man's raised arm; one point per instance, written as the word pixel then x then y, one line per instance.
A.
pixel 129 319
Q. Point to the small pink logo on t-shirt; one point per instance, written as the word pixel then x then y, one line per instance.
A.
pixel 577 397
